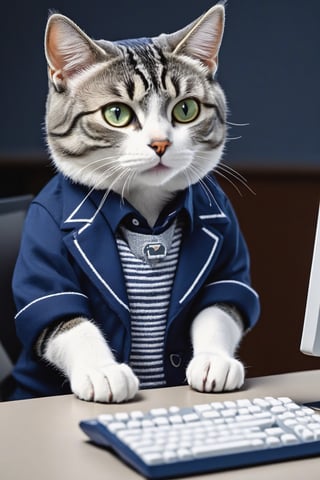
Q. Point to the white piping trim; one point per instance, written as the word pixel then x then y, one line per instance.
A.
pixel 87 220
pixel 205 266
pixel 104 283
pixel 237 282
pixel 46 297
pixel 214 215
pixel 82 229
pixel 70 219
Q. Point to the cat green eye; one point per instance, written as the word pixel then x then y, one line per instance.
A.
pixel 186 111
pixel 117 114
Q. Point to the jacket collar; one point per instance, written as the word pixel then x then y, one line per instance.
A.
pixel 82 205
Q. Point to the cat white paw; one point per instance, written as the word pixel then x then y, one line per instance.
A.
pixel 110 383
pixel 215 373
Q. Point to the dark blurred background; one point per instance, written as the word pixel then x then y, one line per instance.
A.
pixel 270 70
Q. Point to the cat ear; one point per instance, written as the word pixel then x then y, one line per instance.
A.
pixel 202 38
pixel 68 50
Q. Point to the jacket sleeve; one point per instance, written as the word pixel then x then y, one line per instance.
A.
pixel 45 285
pixel 229 280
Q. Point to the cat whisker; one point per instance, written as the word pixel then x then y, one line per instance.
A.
pixel 236 175
pixel 102 202
pixel 238 124
pixel 109 162
pixel 203 185
pixel 230 181
pixel 230 139
pixel 132 177
pixel 88 166
pixel 117 179
pixel 186 174
pixel 232 170
pixel 126 184
pixel 225 171
pixel 105 175
pixel 208 192
pixel 108 190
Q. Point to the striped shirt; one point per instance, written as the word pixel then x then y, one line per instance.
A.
pixel 149 291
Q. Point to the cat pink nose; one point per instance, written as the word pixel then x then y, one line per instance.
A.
pixel 160 146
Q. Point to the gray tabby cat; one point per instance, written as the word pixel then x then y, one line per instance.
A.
pixel 145 119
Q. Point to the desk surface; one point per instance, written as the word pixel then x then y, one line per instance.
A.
pixel 40 438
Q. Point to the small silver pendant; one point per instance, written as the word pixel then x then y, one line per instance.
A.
pixel 154 252
pixel 150 248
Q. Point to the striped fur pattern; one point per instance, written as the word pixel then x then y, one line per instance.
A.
pixel 150 76
pixel 54 330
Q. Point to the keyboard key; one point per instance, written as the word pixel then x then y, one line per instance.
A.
pixel 225 447
pixel 261 402
pixel 314 426
pixel 175 419
pixel 273 441
pixel 174 410
pixel 254 409
pixel 304 433
pixel 217 405
pixel 152 458
pixel 161 421
pixel 136 415
pixel 147 423
pixel 115 426
pixel 291 422
pixel 202 408
pixel 287 415
pixel 229 412
pixel 275 431
pixel 308 411
pixel 243 402
pixel 273 401
pixel 122 416
pixel 229 404
pixel 211 414
pixel 106 418
pixel 278 409
pixel 288 438
pixel 158 412
pixel 169 456
pixel 134 424
pixel 256 422
pixel 184 453
pixel 190 417
pixel 284 400
pixel 243 411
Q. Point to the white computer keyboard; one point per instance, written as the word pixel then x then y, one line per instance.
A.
pixel 171 442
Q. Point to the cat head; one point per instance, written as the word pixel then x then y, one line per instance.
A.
pixel 135 114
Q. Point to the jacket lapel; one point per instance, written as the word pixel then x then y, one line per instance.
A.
pixel 91 242
pixel 198 254
pixel 199 249
pixel 95 250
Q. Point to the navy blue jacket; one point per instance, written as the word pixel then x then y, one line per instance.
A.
pixel 69 266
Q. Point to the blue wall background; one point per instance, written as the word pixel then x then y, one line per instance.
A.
pixel 269 68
